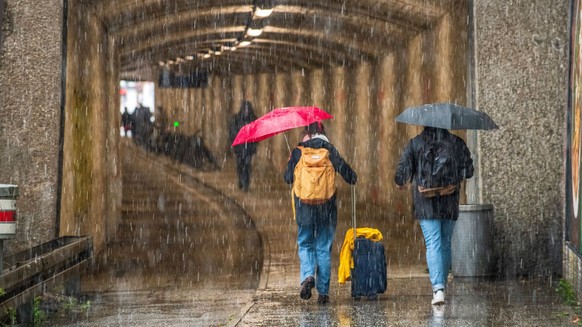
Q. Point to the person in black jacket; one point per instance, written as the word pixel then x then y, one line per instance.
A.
pixel 437 213
pixel 316 222
pixel 243 152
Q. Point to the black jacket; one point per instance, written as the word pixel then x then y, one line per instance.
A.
pixel 245 116
pixel 325 213
pixel 438 207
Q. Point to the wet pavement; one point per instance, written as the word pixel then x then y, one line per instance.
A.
pixel 172 265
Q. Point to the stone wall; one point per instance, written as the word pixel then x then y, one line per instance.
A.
pixel 521 60
pixel 30 107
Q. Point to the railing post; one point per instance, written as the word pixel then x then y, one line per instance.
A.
pixel 8 195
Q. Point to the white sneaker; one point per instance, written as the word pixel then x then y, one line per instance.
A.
pixel 438 297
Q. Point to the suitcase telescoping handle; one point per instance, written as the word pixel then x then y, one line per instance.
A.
pixel 354 211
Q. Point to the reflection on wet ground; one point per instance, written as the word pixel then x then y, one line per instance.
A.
pixel 407 303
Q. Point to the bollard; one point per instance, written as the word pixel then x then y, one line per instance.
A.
pixel 8 195
pixel 472 242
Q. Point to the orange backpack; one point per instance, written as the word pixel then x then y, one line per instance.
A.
pixel 314 176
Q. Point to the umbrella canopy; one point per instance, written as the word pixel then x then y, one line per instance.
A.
pixel 447 116
pixel 278 121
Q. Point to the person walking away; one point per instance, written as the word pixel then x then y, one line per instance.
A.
pixel 314 204
pixel 436 162
pixel 243 152
pixel 126 122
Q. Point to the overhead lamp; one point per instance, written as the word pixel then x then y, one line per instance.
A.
pixel 161 63
pixel 254 32
pixel 189 57
pixel 206 55
pixel 263 8
pixel 244 43
pixel 262 12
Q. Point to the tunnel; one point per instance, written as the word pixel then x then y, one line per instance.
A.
pixel 363 62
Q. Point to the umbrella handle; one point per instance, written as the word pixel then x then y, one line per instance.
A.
pixel 287 142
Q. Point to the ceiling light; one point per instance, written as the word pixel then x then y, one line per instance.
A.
pixel 254 32
pixel 170 62
pixel 161 63
pixel 207 55
pixel 244 43
pixel 189 57
pixel 262 13
pixel 232 48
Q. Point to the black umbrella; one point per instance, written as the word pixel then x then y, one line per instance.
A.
pixel 447 116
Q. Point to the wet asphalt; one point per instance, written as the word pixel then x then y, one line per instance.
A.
pixel 194 250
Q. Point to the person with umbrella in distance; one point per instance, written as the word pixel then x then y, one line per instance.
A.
pixel 436 162
pixel 243 152
pixel 311 169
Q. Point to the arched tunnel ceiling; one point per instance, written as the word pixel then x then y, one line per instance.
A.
pixel 299 34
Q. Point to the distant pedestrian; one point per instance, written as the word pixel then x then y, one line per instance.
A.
pixel 314 205
pixel 127 122
pixel 436 162
pixel 244 152
pixel 142 126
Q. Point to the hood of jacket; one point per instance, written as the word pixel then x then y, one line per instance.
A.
pixel 315 143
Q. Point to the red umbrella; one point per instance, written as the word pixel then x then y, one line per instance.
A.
pixel 278 121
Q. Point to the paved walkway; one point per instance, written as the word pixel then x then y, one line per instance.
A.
pixel 272 300
pixel 516 302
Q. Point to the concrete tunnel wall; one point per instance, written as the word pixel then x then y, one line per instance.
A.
pixel 520 72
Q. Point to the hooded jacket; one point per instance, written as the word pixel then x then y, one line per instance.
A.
pixel 438 207
pixel 245 116
pixel 326 212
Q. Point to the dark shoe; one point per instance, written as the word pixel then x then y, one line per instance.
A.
pixel 306 287
pixel 323 299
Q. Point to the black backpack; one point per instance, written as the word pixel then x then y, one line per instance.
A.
pixel 437 165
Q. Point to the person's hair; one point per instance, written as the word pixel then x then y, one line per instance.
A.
pixel 315 128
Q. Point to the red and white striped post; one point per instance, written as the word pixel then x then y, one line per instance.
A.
pixel 8 195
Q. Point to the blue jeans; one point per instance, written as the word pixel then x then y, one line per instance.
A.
pixel 315 242
pixel 437 237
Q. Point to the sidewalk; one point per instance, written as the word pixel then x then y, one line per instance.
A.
pixel 153 275
pixel 407 300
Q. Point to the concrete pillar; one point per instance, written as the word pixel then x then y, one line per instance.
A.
pixel 414 91
pixel 280 151
pixel 388 97
pixel 262 106
pixel 299 96
pixel 84 194
pixel 316 89
pixel 449 67
pixel 237 93
pixel 351 112
pixel 338 108
pixel 194 110
pixel 217 139
pixel 362 116
pixel 113 159
pixel 207 119
pixel 249 89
